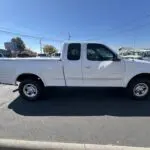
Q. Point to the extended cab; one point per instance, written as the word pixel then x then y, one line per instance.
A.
pixel 80 65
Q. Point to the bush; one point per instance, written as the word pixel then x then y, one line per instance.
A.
pixel 27 53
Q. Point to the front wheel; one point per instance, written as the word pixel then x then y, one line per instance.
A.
pixel 139 89
pixel 30 90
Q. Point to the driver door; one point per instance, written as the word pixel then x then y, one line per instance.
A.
pixel 100 67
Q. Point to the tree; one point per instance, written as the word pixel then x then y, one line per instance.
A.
pixel 20 45
pixel 49 49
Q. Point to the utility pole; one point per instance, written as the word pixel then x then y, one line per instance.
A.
pixel 69 36
pixel 134 43
pixel 134 40
pixel 41 45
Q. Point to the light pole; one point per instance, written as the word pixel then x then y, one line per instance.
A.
pixel 69 36
pixel 41 45
pixel 134 40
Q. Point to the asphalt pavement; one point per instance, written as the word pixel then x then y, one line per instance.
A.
pixel 76 115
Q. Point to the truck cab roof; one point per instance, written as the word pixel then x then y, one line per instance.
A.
pixel 88 42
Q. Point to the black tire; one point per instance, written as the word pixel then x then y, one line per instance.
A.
pixel 38 87
pixel 133 92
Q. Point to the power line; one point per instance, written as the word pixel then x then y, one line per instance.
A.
pixel 29 36
pixel 14 33
pixel 135 27
pixel 49 39
pixel 124 26
pixel 134 20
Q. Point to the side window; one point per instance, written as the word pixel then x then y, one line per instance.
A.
pixel 98 52
pixel 74 51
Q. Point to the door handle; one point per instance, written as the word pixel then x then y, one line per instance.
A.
pixel 87 67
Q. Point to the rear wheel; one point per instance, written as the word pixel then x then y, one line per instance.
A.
pixel 139 89
pixel 30 90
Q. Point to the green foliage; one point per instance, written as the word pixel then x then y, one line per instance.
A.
pixel 49 49
pixel 19 43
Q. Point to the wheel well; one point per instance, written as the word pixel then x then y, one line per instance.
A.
pixel 139 76
pixel 29 76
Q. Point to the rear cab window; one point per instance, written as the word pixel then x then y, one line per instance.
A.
pixel 74 51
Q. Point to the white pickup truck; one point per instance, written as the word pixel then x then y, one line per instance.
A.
pixel 80 65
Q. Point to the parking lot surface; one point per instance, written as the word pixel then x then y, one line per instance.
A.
pixel 80 115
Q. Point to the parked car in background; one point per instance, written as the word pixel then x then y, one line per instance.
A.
pixel 42 55
pixel 80 65
pixel 56 55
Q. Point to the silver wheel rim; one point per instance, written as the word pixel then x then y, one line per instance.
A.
pixel 141 89
pixel 30 90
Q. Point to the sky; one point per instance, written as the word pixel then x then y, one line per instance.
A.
pixel 113 22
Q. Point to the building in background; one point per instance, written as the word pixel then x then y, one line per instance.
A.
pixel 11 46
pixel 137 53
pixel 5 53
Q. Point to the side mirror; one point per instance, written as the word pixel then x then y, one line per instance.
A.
pixel 117 58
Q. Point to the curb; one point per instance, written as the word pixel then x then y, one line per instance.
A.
pixel 8 144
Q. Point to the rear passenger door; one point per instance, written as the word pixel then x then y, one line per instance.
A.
pixel 73 65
